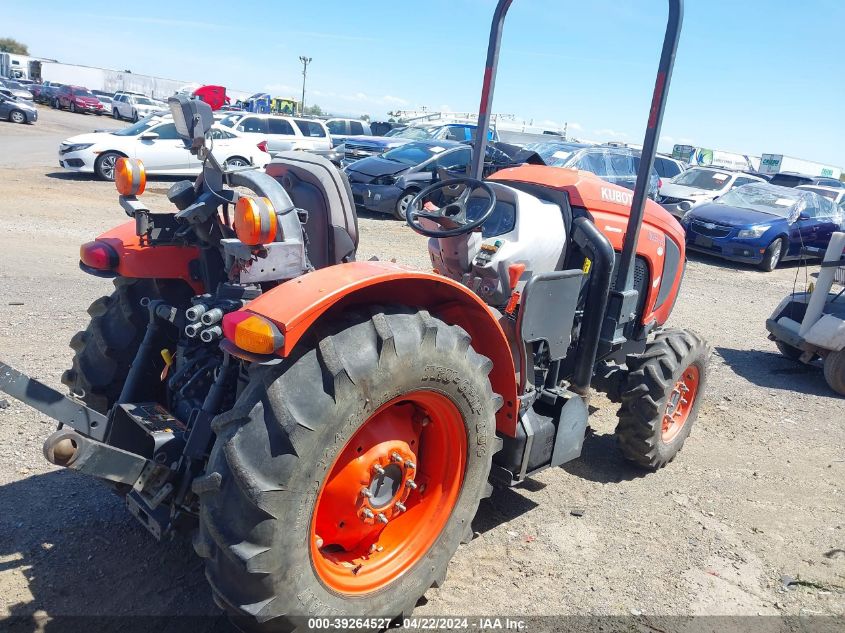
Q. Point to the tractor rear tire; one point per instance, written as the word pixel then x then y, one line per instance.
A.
pixel 834 371
pixel 106 348
pixel 272 555
pixel 661 397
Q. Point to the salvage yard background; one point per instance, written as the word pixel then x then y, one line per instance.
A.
pixel 750 518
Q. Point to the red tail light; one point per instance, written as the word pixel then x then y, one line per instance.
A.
pixel 263 146
pixel 659 183
pixel 98 255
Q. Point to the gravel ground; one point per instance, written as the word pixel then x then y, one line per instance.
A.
pixel 753 503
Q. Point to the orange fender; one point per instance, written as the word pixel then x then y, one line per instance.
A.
pixel 140 261
pixel 296 305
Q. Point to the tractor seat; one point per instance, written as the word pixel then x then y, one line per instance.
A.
pixel 317 186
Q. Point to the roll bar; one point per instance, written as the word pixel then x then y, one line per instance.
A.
pixel 624 274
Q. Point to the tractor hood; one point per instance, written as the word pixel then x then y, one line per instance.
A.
pixel 377 166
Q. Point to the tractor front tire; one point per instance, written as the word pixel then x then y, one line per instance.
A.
pixel 661 397
pixel 834 371
pixel 305 507
pixel 106 348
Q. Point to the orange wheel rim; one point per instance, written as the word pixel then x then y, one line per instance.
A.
pixel 680 403
pixel 389 493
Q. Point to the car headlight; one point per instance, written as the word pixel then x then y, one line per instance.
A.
pixel 686 218
pixel 753 232
pixel 76 147
pixel 384 180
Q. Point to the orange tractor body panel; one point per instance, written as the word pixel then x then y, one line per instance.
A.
pixel 610 206
pixel 141 261
pixel 296 305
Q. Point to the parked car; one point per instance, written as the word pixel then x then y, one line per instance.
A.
pixel 700 184
pixel 77 99
pixel 617 165
pixel 342 128
pixel 387 183
pixel 106 98
pixel 16 88
pixel 762 224
pixel 17 110
pixel 44 92
pixel 154 140
pixel 133 106
pixel 282 133
pixel 667 167
pixel 794 179
pixel 837 194
pixel 358 147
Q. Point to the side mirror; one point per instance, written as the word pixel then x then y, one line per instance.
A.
pixel 803 216
pixel 149 136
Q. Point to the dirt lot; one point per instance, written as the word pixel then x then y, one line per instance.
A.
pixel 753 503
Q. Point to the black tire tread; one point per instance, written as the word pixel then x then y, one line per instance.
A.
pixel 651 376
pixel 834 371
pixel 104 351
pixel 237 522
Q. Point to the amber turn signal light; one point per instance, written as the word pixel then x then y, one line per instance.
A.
pixel 252 333
pixel 255 221
pixel 130 177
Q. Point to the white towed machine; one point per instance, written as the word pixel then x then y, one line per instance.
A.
pixel 810 325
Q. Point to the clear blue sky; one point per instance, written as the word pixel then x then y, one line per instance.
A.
pixel 751 75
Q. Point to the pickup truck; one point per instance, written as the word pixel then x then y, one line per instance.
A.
pixel 341 129
pixel 358 147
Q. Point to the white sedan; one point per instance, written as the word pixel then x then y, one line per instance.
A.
pixel 154 140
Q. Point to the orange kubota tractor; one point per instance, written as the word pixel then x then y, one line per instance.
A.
pixel 327 427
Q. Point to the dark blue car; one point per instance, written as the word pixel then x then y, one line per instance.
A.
pixel 762 224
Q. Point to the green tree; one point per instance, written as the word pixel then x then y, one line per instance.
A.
pixel 365 117
pixel 314 110
pixel 10 45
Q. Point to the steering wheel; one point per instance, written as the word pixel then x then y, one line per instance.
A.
pixel 451 217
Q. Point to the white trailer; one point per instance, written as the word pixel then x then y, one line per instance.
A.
pixel 776 163
pixel 109 80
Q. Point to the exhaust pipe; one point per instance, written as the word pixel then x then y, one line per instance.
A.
pixel 211 334
pixel 194 313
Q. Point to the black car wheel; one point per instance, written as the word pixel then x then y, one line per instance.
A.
pixel 115 114
pixel 73 107
pixel 134 116
pixel 403 202
pixel 16 116
pixel 104 167
pixel 772 256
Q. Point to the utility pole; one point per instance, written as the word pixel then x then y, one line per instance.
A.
pixel 305 61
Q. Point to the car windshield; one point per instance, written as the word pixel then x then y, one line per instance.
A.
pixel 554 154
pixel 397 131
pixel 413 153
pixel 416 133
pixel 766 198
pixel 229 121
pixel 144 101
pixel 15 85
pixel 141 126
pixel 84 93
pixel 827 193
pixel 707 179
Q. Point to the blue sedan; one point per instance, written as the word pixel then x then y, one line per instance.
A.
pixel 763 224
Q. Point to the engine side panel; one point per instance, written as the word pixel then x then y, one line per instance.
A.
pixel 610 206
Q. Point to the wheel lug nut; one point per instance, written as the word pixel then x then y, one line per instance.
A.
pixel 378 469
pixel 400 506
pixel 396 457
pixel 382 518
pixel 365 492
pixel 410 465
pixel 367 513
pixel 412 484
